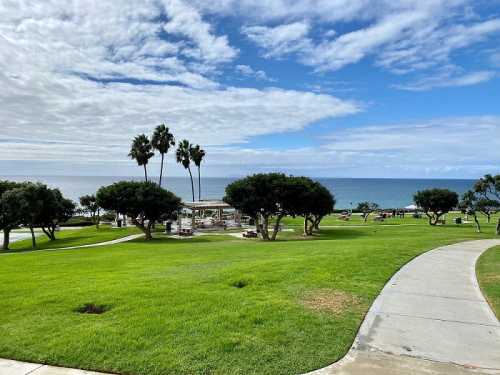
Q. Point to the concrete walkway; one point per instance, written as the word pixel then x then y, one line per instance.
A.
pixel 105 243
pixel 431 318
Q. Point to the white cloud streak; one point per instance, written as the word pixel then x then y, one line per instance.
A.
pixel 447 80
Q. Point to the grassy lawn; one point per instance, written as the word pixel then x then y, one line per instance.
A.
pixel 356 219
pixel 75 237
pixel 206 305
pixel 488 274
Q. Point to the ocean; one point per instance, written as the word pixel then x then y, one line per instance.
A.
pixel 387 193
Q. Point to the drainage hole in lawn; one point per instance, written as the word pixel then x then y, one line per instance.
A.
pixel 92 308
pixel 240 283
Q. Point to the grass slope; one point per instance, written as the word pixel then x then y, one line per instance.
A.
pixel 176 308
pixel 75 237
pixel 488 274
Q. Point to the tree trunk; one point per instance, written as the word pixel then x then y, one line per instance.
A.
pixel 317 220
pixel 145 173
pixel 365 217
pixel 308 226
pixel 430 219
pixel 498 227
pixel 49 233
pixel 489 218
pixel 33 239
pixel 161 168
pixel 199 184
pixel 264 228
pixel 6 238
pixel 145 229
pixel 478 226
pixel 276 227
pixel 192 184
pixel 98 219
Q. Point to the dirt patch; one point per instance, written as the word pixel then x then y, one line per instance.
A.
pixel 330 300
pixel 92 308
pixel 240 283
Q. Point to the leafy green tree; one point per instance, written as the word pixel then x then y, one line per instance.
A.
pixel 197 154
pixel 275 195
pixel 56 210
pixel 90 206
pixel 7 221
pixel 162 140
pixel 488 187
pixel 141 151
pixel 36 206
pixel 262 197
pixel 144 202
pixel 436 202
pixel 321 203
pixel 366 208
pixel 468 206
pixel 183 156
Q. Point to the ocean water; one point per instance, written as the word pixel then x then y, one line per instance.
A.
pixel 387 193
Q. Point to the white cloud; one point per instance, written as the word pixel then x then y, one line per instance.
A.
pixel 442 147
pixel 280 40
pixel 449 80
pixel 67 110
pixel 445 147
pixel 248 71
pixel 186 20
pixel 401 36
pixel 54 104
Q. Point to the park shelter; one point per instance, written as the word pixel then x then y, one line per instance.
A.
pixel 215 207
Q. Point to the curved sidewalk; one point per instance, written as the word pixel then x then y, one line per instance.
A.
pixel 430 318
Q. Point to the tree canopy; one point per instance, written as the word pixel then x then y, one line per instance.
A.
pixel 141 151
pixel 162 140
pixel 7 221
pixel 367 208
pixel 488 189
pixel 183 156
pixel 436 202
pixel 89 205
pixel 37 206
pixel 143 202
pixel 275 195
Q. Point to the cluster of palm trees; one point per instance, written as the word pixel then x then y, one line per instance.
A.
pixel 142 149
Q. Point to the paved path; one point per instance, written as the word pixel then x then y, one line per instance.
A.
pixel 105 243
pixel 430 318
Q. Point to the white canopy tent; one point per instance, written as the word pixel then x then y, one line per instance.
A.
pixel 411 207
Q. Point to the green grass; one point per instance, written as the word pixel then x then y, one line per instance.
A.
pixel 178 306
pixel 75 237
pixel 356 219
pixel 488 274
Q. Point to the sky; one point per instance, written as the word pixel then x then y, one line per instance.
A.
pixel 324 88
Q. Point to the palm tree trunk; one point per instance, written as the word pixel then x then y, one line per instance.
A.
pixel 145 173
pixel 161 168
pixel 199 184
pixel 192 184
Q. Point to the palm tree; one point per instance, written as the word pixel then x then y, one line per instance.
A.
pixel 162 140
pixel 141 151
pixel 197 154
pixel 183 157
